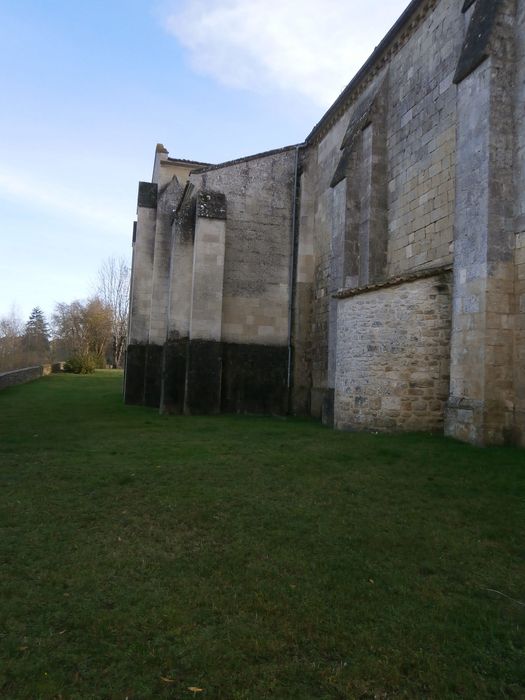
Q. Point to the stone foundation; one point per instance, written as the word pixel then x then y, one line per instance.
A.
pixel 254 379
pixel 173 386
pixel 203 377
pixel 207 377
pixel 134 376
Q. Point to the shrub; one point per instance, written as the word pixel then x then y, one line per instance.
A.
pixel 81 364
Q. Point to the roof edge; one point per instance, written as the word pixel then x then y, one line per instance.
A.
pixel 384 44
pixel 183 161
pixel 264 154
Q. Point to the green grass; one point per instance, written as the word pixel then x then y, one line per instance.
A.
pixel 250 557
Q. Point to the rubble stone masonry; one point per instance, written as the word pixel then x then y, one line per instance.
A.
pixel 393 347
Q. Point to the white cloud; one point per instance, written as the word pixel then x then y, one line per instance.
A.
pixel 312 48
pixel 63 201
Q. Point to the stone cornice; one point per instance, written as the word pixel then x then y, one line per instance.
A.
pixel 396 38
pixel 393 282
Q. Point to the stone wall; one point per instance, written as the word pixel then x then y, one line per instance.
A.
pixel 421 142
pixel 258 244
pixel 519 228
pixel 168 198
pixel 419 165
pixel 320 163
pixel 142 263
pixel 393 346
pixel 519 348
pixel 211 286
pixel 22 376
pixel 481 404
pixel 409 99
pixel 237 356
pixel 303 297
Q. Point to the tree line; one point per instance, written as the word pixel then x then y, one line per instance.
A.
pixel 86 333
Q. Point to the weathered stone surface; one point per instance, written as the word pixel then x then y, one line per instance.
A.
pixel 143 375
pixel 169 196
pixel 257 247
pixel 481 405
pixel 174 376
pixel 21 376
pixel 393 346
pixel 428 150
pixel 147 196
pixel 476 45
pixel 519 347
pixel 152 375
pixel 467 5
pixel 208 279
pixel 211 205
pixel 203 377
pixel 135 373
pixel 142 276
pixel 254 379
pixel 363 115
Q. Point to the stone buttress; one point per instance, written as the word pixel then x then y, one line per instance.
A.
pixel 372 276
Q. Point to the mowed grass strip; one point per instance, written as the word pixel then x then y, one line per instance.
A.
pixel 247 558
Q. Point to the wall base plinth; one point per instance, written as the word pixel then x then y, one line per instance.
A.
pixel 481 423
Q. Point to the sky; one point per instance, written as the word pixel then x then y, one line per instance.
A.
pixel 89 87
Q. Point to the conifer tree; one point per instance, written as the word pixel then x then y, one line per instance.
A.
pixel 36 335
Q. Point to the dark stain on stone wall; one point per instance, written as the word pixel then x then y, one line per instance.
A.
pixel 467 5
pixel 211 205
pixel 203 377
pixel 476 46
pixel 147 196
pixel 135 363
pixel 207 377
pixel 327 409
pixel 254 379
pixel 174 380
pixel 153 374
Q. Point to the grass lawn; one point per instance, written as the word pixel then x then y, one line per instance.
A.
pixel 142 556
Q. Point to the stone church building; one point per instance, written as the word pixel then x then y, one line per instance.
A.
pixel 372 276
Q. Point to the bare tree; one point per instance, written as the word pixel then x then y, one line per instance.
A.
pixel 113 291
pixel 69 330
pixel 98 324
pixel 11 332
pixel 82 329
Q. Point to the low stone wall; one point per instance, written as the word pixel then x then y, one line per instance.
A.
pixel 393 348
pixel 27 374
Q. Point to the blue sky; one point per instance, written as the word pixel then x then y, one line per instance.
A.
pixel 89 87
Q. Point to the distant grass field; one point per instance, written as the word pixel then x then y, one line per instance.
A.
pixel 250 558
